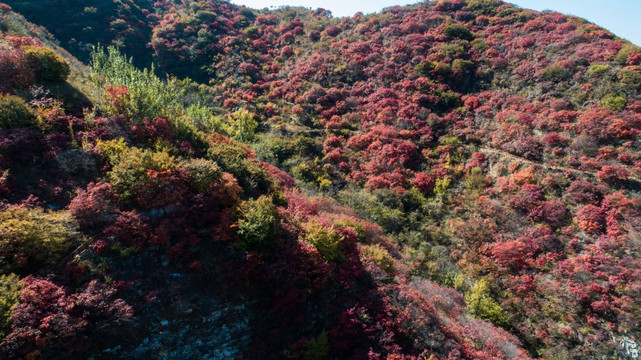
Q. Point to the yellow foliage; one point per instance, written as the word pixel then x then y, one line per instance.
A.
pixel 326 239
pixel 33 237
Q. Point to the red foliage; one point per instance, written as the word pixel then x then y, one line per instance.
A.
pixel 161 189
pixel 95 205
pixel 583 192
pixel 152 130
pixel 15 70
pixel 117 96
pixel 284 179
pixel 424 183
pixel 553 213
pixel 248 69
pixel 612 174
pixel 49 318
pixel 591 219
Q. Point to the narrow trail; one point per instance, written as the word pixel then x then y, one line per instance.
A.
pixel 588 173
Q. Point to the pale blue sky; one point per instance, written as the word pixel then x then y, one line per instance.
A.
pixel 622 17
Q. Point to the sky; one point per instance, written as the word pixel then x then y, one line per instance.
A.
pixel 622 17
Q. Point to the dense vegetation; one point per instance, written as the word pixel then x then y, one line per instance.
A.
pixel 453 179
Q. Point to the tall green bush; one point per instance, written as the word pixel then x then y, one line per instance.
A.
pixel 9 295
pixel 30 238
pixel 14 112
pixel 49 66
pixel 257 223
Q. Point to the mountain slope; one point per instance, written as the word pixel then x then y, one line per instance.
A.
pixel 497 148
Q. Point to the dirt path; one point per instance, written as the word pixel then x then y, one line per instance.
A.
pixel 503 153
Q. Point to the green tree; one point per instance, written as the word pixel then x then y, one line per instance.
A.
pixel 147 95
pixel 257 223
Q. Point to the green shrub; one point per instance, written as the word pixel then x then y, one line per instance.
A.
pixel 631 76
pixel 464 65
pixel 232 158
pixel 257 223
pixel 380 256
pixel 626 50
pixel 441 68
pixel 10 287
pixel 442 185
pixel 598 69
pixel 202 173
pixel 371 207
pixel 614 102
pixel 31 238
pixel 49 66
pixel 459 31
pixel 14 112
pixel 483 7
pixel 479 44
pixel 475 181
pixel 317 348
pixel 555 73
pixel 112 149
pixel 241 126
pixel 481 304
pixel 131 169
pixel 326 240
pixel 451 49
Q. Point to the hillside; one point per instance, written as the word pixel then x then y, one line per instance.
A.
pixel 452 179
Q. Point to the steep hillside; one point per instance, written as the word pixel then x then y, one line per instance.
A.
pixel 495 148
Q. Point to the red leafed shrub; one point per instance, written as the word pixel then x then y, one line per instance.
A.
pixel 477 160
pixel 424 183
pixel 529 196
pixel 634 59
pixel 227 190
pixel 95 205
pixel 49 318
pixel 229 103
pixel 594 122
pixel 314 35
pixel 152 130
pixel 128 228
pixel 583 192
pixel 512 254
pixel 19 147
pixel 612 174
pixel 15 70
pixel 333 31
pixel 20 41
pixel 287 51
pixel 248 68
pixel 285 180
pixel 161 188
pixel 591 219
pixel 553 213
pixel 554 138
pixel 117 97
